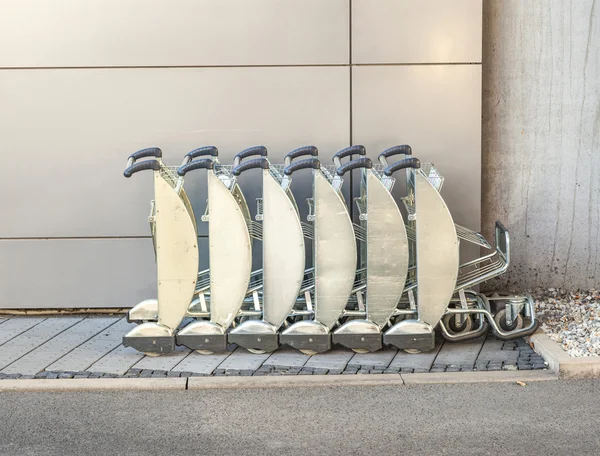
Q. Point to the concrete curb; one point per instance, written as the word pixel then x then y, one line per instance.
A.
pixel 94 384
pixel 288 381
pixel 199 383
pixel 284 381
pixel 563 364
pixel 478 377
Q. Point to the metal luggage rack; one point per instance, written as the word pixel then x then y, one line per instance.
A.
pixel 489 266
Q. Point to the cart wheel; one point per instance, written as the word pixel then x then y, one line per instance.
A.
pixel 308 351
pixel 500 319
pixel 256 351
pixel 412 351
pixel 153 355
pixel 205 352
pixel 360 351
pixel 453 328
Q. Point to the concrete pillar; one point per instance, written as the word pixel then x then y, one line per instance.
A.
pixel 541 132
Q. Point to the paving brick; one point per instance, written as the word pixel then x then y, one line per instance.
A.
pixel 333 359
pixel 320 371
pixel 86 354
pixel 334 372
pixel 286 357
pixel 243 360
pixel 422 361
pixel 201 364
pixel 173 374
pixel 378 359
pixel 79 331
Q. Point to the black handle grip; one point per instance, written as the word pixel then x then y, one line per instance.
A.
pixel 402 164
pixel 205 163
pixel 251 164
pixel 203 152
pixel 352 150
pixel 149 152
pixel 251 151
pixel 146 164
pixel 403 149
pixel 363 162
pixel 312 163
pixel 301 152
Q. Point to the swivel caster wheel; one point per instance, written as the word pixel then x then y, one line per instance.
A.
pixel 412 351
pixel 205 352
pixel 308 352
pixel 256 351
pixel 500 319
pixel 450 323
pixel 152 355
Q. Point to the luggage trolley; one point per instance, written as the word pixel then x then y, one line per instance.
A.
pixel 176 249
pixel 230 258
pixel 383 255
pixel 334 256
pixel 283 252
pixel 436 258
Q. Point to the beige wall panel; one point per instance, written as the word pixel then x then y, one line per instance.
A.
pixel 416 31
pixel 437 110
pixel 76 273
pixel 74 33
pixel 65 135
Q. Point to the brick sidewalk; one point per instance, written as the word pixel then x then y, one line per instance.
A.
pixel 90 347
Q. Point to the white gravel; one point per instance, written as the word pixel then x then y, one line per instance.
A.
pixel 572 319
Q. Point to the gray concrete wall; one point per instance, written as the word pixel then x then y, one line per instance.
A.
pixel 84 84
pixel 541 133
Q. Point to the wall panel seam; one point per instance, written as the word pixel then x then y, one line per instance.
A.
pixel 327 65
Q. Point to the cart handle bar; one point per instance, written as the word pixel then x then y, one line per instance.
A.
pixel 251 151
pixel 402 164
pixel 200 152
pixel 149 152
pixel 352 150
pixel 403 149
pixel 251 164
pixel 363 162
pixel 312 163
pixel 136 167
pixel 300 152
pixel 205 163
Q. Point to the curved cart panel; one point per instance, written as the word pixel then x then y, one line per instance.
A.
pixel 283 252
pixel 176 256
pixel 230 253
pixel 387 252
pixel 437 252
pixel 335 253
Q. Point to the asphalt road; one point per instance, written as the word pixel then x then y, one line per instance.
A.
pixel 545 418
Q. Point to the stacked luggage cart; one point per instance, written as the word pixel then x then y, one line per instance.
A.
pixel 392 278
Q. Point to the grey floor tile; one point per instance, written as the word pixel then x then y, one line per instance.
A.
pixel 38 359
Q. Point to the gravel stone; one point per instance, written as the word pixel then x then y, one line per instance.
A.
pixel 572 319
